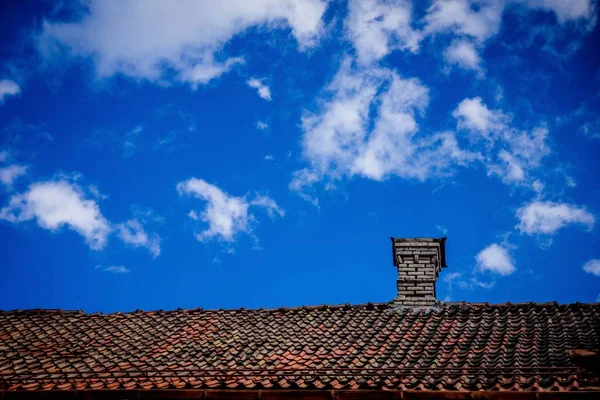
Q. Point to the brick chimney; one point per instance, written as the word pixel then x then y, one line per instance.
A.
pixel 419 261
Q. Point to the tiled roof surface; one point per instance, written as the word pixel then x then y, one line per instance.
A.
pixel 458 346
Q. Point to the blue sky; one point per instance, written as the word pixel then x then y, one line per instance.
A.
pixel 261 154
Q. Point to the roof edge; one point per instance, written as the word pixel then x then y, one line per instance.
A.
pixel 380 306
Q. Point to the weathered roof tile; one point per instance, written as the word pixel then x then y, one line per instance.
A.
pixel 458 346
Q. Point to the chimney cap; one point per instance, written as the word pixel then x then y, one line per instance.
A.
pixel 415 240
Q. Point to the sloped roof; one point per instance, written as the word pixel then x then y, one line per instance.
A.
pixel 458 346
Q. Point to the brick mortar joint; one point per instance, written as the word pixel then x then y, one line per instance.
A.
pixel 418 262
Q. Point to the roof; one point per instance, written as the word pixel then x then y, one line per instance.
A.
pixel 457 346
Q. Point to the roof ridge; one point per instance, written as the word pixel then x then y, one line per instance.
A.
pixel 380 306
pixel 199 309
pixel 521 303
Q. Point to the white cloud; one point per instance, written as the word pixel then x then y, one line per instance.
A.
pixel 9 174
pixel 115 269
pixel 268 157
pixel 510 169
pixel 478 21
pixel 366 126
pixel 54 204
pixel 261 126
pixel 95 192
pixel 443 230
pixel 268 204
pixel 63 203
pixel 130 139
pixel 302 182
pixel 524 153
pixel 207 70
pixel 546 217
pixel 566 10
pixel 8 88
pixel 474 282
pixel 464 54
pixel 474 116
pixel 529 146
pixel 3 156
pixel 452 277
pixel 377 27
pixel 591 129
pixel 461 18
pixel 225 215
pixel 132 232
pixel 263 90
pixel 592 267
pixel 456 278
pixel 509 153
pixel 175 41
pixel 481 20
pixel 495 258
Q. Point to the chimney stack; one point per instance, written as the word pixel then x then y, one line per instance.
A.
pixel 419 261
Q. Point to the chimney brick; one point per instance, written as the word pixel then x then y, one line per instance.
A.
pixel 419 261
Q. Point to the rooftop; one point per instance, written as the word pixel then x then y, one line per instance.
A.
pixel 453 346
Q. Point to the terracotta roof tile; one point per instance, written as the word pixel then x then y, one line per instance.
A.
pixel 458 346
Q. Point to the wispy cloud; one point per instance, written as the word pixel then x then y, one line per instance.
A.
pixel 183 41
pixel 591 129
pixel 268 204
pixel 459 18
pixel 10 173
pixel 592 267
pixel 378 27
pixel 129 141
pixel 264 92
pixel 225 215
pixel 114 269
pixel 63 203
pixel 509 153
pixel 8 88
pixel 464 54
pixel 368 127
pixel 546 217
pixel 261 126
pixel 133 233
pixel 455 280
pixel 441 229
pixel 474 116
pixel 476 25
